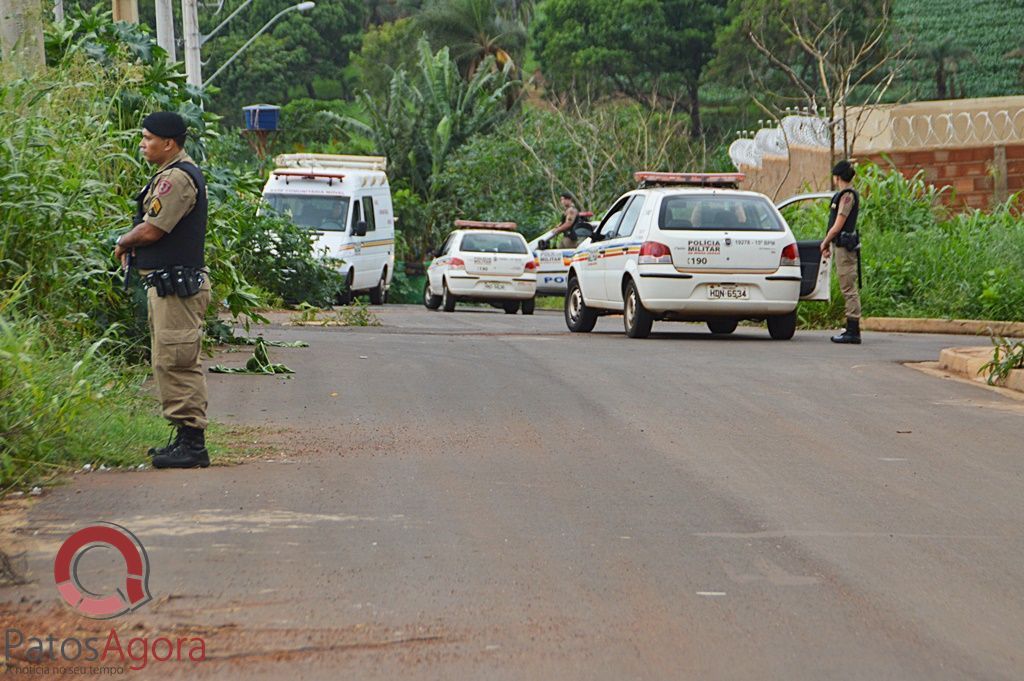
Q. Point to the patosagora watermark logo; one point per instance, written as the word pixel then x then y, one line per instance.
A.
pixel 135 592
pixel 108 654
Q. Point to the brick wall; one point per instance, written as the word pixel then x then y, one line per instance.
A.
pixel 979 176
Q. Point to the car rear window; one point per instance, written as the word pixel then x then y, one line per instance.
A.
pixel 717 211
pixel 494 243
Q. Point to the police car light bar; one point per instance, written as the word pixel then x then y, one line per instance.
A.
pixel 479 224
pixel 309 174
pixel 726 180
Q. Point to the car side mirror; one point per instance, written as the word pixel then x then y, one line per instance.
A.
pixel 359 229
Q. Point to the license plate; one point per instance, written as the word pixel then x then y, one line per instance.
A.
pixel 495 285
pixel 728 292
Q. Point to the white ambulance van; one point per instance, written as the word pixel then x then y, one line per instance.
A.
pixel 346 202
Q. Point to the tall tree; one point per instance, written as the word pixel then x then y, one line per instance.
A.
pixel 21 34
pixel 659 55
pixel 944 58
pixel 474 30
pixel 819 55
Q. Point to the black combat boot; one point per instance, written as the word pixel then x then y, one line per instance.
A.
pixel 172 442
pixel 190 452
pixel 852 333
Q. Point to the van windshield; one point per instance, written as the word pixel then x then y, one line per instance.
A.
pixel 493 243
pixel 322 213
pixel 718 211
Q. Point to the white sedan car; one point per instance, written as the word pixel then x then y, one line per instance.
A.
pixel 691 247
pixel 487 262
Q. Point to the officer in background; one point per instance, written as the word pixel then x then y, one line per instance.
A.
pixel 842 232
pixel 167 243
pixel 569 218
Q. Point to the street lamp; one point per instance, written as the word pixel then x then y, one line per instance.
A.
pixel 204 38
pixel 301 7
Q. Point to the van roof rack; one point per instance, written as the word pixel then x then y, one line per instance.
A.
pixel 331 161
pixel 723 180
pixel 480 224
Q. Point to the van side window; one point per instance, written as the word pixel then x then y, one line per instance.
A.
pixel 371 219
pixel 356 213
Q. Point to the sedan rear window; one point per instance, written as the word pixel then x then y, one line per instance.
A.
pixel 493 243
pixel 717 212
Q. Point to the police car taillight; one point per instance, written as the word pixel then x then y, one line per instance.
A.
pixel 457 264
pixel 654 253
pixel 531 265
pixel 790 256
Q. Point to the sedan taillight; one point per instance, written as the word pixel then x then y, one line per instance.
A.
pixel 532 265
pixel 457 264
pixel 790 256
pixel 654 253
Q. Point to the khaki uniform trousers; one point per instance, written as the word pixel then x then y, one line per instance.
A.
pixel 176 333
pixel 846 270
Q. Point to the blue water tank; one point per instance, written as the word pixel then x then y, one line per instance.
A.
pixel 261 117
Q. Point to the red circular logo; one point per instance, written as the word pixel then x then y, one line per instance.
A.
pixel 132 596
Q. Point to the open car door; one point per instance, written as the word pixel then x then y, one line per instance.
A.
pixel 815 273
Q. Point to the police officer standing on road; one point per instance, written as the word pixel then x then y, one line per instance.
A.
pixel 167 243
pixel 842 231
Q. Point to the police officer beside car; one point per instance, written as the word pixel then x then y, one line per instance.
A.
pixel 842 233
pixel 167 246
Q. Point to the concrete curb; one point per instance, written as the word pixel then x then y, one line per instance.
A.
pixel 967 362
pixel 963 327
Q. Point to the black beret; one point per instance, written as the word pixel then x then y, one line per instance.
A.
pixel 844 171
pixel 165 124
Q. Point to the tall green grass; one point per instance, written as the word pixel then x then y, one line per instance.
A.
pixel 920 260
pixel 66 403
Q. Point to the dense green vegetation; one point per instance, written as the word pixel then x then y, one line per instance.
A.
pixel 70 336
pixel 486 109
pixel 983 43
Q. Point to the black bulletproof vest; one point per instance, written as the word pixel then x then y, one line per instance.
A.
pixel 185 243
pixel 851 220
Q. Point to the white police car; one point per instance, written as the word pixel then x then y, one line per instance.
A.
pixel 554 262
pixel 487 262
pixel 691 247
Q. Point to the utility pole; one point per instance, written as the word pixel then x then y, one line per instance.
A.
pixel 190 29
pixel 21 35
pixel 165 28
pixel 126 10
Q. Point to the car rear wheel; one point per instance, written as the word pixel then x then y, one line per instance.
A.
pixel 722 326
pixel 510 306
pixel 431 301
pixel 637 320
pixel 782 327
pixel 528 306
pixel 578 317
pixel 447 299
pixel 379 293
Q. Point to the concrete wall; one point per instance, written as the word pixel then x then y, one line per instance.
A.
pixel 975 146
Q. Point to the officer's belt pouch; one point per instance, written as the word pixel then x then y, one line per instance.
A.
pixel 178 280
pixel 848 240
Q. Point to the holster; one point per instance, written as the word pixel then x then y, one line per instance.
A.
pixel 848 240
pixel 176 280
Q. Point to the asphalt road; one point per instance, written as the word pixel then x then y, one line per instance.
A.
pixel 482 496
